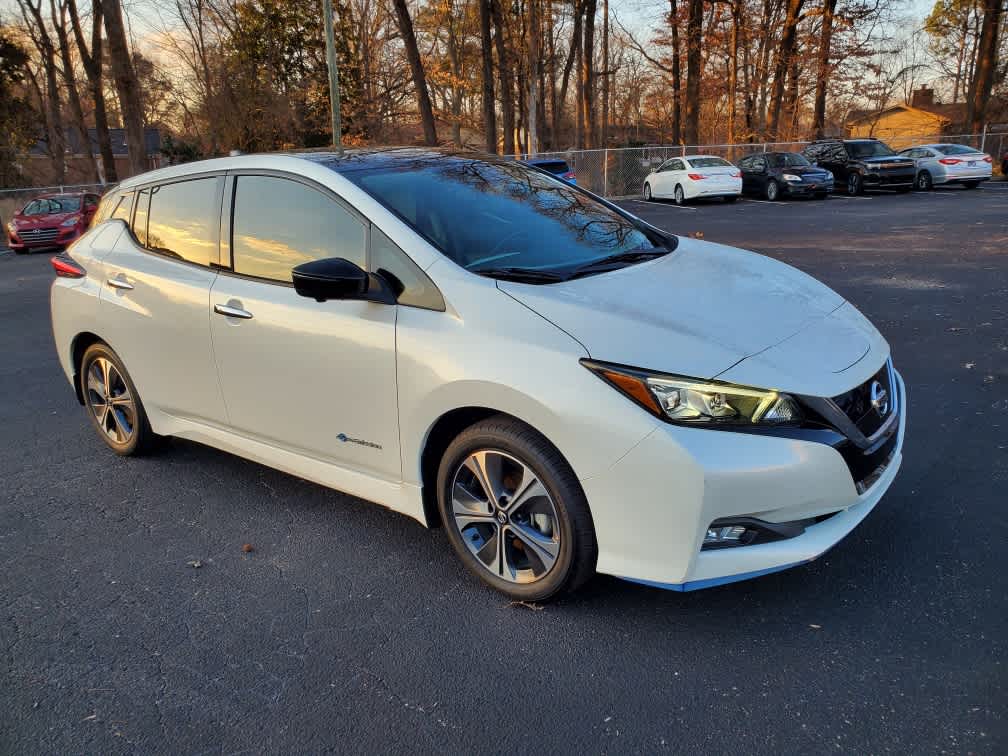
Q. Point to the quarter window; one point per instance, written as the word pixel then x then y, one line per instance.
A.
pixel 182 220
pixel 123 207
pixel 280 224
pixel 418 290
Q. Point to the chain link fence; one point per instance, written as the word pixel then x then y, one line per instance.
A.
pixel 621 172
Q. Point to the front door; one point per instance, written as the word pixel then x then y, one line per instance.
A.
pixel 315 378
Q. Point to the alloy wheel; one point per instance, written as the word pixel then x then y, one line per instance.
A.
pixel 647 192
pixel 110 401
pixel 853 185
pixel 679 196
pixel 771 191
pixel 506 517
pixel 924 181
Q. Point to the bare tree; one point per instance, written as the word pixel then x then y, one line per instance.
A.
pixel 504 71
pixel 59 21
pixel 785 52
pixel 91 60
pixel 986 64
pixel 694 39
pixel 489 105
pixel 588 75
pixel 126 84
pixel 416 67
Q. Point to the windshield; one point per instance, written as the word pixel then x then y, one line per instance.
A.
pixel 788 160
pixel 490 215
pixel 868 149
pixel 708 162
pixel 51 205
pixel 954 149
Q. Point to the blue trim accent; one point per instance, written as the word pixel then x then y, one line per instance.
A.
pixel 697 585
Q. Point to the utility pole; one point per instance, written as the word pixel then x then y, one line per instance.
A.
pixel 334 97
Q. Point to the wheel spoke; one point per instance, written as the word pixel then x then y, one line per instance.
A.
pixel 95 381
pixel 542 546
pixel 490 553
pixel 531 488
pixel 486 467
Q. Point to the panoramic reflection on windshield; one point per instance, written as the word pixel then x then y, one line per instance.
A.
pixel 485 214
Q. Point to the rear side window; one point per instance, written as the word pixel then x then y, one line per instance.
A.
pixel 182 220
pixel 123 206
pixel 954 149
pixel 140 217
pixel 279 224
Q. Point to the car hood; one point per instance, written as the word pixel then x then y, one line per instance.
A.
pixel 705 309
pixel 805 170
pixel 42 221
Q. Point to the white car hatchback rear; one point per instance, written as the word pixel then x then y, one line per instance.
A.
pixel 693 177
pixel 479 345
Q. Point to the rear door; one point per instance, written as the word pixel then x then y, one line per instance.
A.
pixel 156 294
pixel 315 378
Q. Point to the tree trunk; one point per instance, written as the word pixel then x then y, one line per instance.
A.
pixel 694 39
pixel 822 70
pixel 572 57
pixel 534 29
pixel 736 19
pixel 489 106
pixel 504 71
pixel 92 64
pixel 606 74
pixel 676 74
pixel 405 24
pixel 588 75
pixel 126 85
pixel 783 64
pixel 986 63
pixel 73 96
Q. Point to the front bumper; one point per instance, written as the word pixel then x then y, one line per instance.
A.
pixel 45 239
pixel 653 508
pixel 805 189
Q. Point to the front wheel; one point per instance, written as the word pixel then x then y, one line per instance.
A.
pixel 680 196
pixel 924 182
pixel 854 185
pixel 772 191
pixel 647 193
pixel 514 511
pixel 113 403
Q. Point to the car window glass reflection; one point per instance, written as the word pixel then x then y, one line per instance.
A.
pixel 182 220
pixel 279 224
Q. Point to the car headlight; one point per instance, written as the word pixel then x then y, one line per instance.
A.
pixel 829 175
pixel 791 177
pixel 73 220
pixel 690 401
pixel 12 227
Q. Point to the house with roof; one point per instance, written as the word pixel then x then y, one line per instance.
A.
pixel 922 116
pixel 80 159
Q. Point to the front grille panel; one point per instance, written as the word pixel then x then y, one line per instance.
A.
pixel 38 235
pixel 857 403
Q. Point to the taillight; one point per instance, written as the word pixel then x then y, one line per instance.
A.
pixel 66 267
pixel 569 175
pixel 950 161
pixel 696 176
pixel 988 159
pixel 737 174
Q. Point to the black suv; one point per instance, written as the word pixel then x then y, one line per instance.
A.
pixel 859 164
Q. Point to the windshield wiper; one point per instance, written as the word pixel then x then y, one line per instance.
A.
pixel 525 275
pixel 614 261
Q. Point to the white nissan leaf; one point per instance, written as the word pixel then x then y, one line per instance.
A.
pixel 477 344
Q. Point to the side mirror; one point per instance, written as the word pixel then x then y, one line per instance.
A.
pixel 338 278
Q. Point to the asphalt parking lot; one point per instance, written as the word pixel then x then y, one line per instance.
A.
pixel 350 628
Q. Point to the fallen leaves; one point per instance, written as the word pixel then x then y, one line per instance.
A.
pixel 194 563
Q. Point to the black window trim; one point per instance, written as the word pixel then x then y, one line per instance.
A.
pixel 150 186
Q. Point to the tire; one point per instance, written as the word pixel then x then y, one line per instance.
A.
pixel 731 198
pixel 22 251
pixel 971 184
pixel 924 182
pixel 821 195
pixel 124 426
pixel 680 196
pixel 772 191
pixel 647 193
pixel 549 545
pixel 855 185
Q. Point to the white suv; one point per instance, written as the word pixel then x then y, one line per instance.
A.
pixel 475 343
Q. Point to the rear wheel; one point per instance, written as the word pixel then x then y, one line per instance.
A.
pixel 647 193
pixel 680 196
pixel 514 511
pixel 924 182
pixel 971 184
pixel 113 403
pixel 854 184
pixel 772 191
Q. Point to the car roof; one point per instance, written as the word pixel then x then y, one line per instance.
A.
pixel 57 195
pixel 691 157
pixel 351 160
pixel 944 144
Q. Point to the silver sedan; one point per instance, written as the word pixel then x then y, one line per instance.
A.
pixel 949 164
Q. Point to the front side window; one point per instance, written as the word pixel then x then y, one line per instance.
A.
pixel 487 215
pixel 279 224
pixel 182 220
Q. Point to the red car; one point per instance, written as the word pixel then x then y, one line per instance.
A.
pixel 51 220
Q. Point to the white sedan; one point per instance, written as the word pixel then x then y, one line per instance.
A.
pixel 692 177
pixel 949 164
pixel 476 344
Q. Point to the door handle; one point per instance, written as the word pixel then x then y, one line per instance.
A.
pixel 232 312
pixel 118 283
